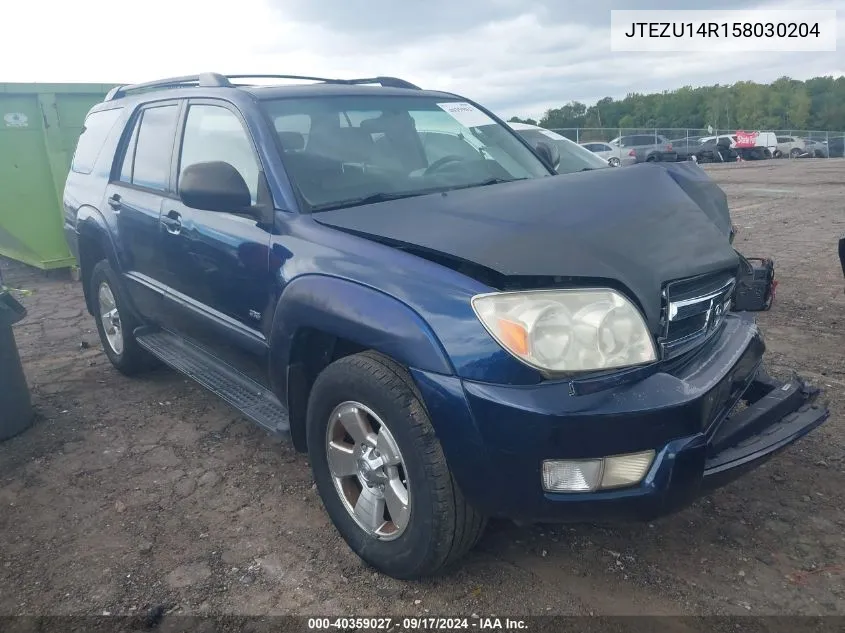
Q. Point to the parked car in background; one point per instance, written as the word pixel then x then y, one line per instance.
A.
pixel 789 146
pixel 613 155
pixel 756 145
pixel 749 145
pixel 645 148
pixel 686 147
pixel 836 147
pixel 715 150
pixel 816 148
pixel 731 138
pixel 572 157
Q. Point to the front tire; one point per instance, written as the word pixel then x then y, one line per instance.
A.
pixel 381 471
pixel 115 322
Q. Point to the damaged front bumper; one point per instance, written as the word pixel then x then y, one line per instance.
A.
pixel 776 415
pixel 708 421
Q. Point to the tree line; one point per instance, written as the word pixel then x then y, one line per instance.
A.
pixel 814 104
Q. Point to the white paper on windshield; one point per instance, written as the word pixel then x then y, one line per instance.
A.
pixel 465 113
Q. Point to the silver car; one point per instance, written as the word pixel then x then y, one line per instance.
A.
pixel 645 148
pixel 613 155
pixel 573 157
pixel 817 148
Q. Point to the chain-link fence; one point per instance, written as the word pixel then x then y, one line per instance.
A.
pixel 685 141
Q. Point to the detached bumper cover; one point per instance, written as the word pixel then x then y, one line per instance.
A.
pixel 781 414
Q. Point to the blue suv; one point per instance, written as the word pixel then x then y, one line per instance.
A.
pixel 405 287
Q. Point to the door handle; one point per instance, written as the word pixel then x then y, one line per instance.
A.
pixel 172 222
pixel 114 202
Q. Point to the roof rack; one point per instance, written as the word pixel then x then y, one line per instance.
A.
pixel 216 80
pixel 387 82
pixel 205 80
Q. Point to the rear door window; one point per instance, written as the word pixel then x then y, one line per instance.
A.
pixel 148 157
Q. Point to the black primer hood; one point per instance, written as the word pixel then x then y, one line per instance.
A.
pixel 641 226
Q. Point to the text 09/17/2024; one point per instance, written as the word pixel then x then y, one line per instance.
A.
pixel 723 31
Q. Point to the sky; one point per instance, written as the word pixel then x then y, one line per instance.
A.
pixel 517 57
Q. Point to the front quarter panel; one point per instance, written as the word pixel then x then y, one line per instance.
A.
pixel 356 313
pixel 414 310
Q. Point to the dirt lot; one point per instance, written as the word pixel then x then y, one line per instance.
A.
pixel 127 494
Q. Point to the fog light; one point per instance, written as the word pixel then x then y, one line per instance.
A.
pixel 588 475
pixel 626 470
pixel 571 475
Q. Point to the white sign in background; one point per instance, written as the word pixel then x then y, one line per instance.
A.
pixel 729 31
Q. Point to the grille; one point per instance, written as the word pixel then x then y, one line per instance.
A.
pixel 693 311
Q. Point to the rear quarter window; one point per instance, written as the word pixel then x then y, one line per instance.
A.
pixel 94 134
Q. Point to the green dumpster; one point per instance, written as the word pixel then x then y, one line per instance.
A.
pixel 39 127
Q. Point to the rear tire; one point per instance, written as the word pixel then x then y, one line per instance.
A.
pixel 433 525
pixel 115 322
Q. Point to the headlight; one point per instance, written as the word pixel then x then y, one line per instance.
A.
pixel 568 330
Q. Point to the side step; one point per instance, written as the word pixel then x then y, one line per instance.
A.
pixel 254 401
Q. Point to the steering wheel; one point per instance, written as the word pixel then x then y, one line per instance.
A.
pixel 441 162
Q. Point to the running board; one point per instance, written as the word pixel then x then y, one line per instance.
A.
pixel 247 396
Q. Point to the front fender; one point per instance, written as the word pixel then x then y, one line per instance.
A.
pixel 356 313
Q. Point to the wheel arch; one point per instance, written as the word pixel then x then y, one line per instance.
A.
pixel 95 244
pixel 320 319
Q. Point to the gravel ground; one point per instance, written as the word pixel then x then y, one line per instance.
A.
pixel 132 494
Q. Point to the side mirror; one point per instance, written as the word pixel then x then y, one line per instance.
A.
pixel 549 154
pixel 214 186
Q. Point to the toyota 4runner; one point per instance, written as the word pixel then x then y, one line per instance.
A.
pixel 451 330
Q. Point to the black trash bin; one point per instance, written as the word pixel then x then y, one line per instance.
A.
pixel 15 403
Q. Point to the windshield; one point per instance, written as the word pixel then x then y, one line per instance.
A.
pixel 342 151
pixel 573 157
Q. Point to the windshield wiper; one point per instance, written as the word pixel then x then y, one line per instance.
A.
pixel 484 183
pixel 384 196
pixel 381 196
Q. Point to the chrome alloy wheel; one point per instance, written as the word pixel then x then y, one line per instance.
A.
pixel 368 471
pixel 110 318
